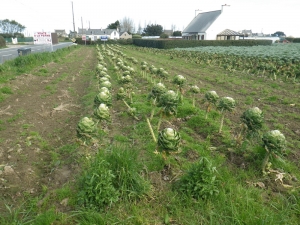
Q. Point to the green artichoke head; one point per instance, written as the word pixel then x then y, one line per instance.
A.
pixel 106 84
pixel 226 104
pixel 121 94
pixel 253 118
pixel 103 97
pixel 85 126
pixel 274 141
pixel 169 102
pixel 102 112
pixel 168 140
pixel 195 89
pixel 157 90
pixel 125 79
pixel 212 97
pixel 179 80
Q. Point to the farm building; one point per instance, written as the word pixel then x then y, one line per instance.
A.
pixel 95 34
pixel 125 35
pixel 229 35
pixel 207 25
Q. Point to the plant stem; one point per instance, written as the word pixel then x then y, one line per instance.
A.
pixel 265 161
pixel 126 104
pixel 159 122
pixel 153 109
pixel 207 110
pixel 151 130
pixel 194 100
pixel 222 121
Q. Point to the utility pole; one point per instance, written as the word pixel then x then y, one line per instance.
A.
pixel 82 31
pixel 73 19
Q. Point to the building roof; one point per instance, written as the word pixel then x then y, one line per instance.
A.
pixel 228 32
pixel 60 31
pixel 96 31
pixel 202 21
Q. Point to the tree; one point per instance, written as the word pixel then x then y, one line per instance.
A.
pixel 114 25
pixel 153 30
pixel 127 25
pixel 177 33
pixel 279 34
pixel 139 30
pixel 11 27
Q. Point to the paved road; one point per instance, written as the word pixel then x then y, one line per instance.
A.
pixel 12 51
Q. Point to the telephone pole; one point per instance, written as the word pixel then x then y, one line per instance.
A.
pixel 73 19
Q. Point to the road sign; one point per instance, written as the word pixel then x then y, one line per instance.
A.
pixel 42 38
pixel 103 38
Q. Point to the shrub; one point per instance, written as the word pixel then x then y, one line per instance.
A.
pixel 136 36
pixel 2 42
pixel 163 35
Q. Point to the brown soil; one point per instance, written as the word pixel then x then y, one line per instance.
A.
pixel 37 121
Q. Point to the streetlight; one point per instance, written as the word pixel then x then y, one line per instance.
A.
pixel 196 11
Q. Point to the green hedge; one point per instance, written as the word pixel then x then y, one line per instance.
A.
pixel 168 44
pixel 292 39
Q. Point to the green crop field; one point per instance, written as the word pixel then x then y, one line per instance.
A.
pixel 114 134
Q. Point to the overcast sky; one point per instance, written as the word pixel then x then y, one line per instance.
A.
pixel 267 16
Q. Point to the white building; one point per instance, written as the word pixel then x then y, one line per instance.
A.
pixel 95 34
pixel 207 25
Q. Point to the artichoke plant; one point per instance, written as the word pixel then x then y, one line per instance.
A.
pixel 103 97
pixel 121 94
pixel 253 118
pixel 102 112
pixel 195 90
pixel 179 80
pixel 169 102
pixel 225 104
pixel 274 142
pixel 125 79
pixel 106 84
pixel 85 127
pixel 157 90
pixel 212 98
pixel 168 140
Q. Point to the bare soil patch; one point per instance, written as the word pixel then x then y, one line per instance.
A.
pixel 38 123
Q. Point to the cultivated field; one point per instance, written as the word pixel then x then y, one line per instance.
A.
pixel 119 169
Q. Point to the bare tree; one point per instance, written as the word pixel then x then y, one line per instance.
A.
pixel 126 24
pixel 173 27
pixel 140 29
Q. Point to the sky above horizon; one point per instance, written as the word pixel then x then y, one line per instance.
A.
pixel 266 16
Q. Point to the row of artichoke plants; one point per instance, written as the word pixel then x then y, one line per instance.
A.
pixel 167 101
pixel 87 126
pixel 252 119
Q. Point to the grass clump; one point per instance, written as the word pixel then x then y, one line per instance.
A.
pixel 200 181
pixel 111 177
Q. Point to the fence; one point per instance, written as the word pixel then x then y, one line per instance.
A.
pixel 25 39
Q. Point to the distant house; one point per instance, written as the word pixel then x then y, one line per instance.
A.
pixel 246 33
pixel 125 35
pixel 168 32
pixel 229 35
pixel 206 25
pixel 61 33
pixel 95 34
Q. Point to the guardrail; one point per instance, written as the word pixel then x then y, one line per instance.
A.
pixel 4 58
